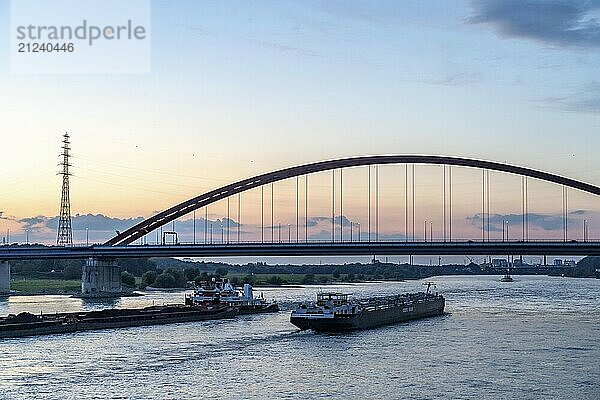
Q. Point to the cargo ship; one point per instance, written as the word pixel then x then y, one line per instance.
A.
pixel 334 312
pixel 27 324
pixel 222 292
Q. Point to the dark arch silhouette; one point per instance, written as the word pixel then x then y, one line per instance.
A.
pixel 164 217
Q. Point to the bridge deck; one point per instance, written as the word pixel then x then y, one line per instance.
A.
pixel 548 248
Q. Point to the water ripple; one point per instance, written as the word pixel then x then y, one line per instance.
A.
pixel 532 339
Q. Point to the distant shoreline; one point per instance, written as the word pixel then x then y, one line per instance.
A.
pixel 135 292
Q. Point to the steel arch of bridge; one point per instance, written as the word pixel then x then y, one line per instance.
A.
pixel 143 228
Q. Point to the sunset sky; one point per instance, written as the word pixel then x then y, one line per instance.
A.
pixel 239 88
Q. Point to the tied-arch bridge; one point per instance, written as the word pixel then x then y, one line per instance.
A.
pixel 186 207
pixel 122 245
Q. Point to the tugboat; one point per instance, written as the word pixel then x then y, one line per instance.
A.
pixel 335 312
pixel 507 277
pixel 222 292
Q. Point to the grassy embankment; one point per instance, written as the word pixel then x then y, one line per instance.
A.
pixel 289 279
pixel 32 285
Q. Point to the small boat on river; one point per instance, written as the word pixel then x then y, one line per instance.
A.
pixel 507 277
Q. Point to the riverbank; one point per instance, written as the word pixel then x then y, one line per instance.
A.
pixel 22 286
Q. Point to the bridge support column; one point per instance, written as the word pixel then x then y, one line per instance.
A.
pixel 4 277
pixel 101 278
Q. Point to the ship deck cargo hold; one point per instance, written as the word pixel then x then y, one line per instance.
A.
pixel 335 312
pixel 26 324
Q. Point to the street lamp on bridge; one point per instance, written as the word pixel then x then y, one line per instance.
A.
pixel 430 231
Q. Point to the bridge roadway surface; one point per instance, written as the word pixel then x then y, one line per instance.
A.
pixel 548 248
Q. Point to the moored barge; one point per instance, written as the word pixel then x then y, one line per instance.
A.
pixel 26 324
pixel 213 300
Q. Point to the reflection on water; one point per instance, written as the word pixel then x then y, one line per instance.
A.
pixel 535 338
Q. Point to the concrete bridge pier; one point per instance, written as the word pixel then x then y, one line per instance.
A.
pixel 101 278
pixel 4 277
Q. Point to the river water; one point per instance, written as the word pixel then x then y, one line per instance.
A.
pixel 535 338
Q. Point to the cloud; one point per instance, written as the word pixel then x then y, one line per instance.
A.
pixel 6 217
pixel 284 48
pixel 314 221
pixel 268 44
pixel 546 222
pixel 555 22
pixel 97 222
pixel 456 79
pixel 188 224
pixel 34 223
pixel 586 100
pixel 99 227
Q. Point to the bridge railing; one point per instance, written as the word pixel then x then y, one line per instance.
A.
pixel 329 241
pixel 309 241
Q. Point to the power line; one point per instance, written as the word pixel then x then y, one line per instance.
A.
pixel 152 171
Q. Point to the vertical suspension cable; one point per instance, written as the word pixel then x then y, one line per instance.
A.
pixel 527 208
pixel 262 213
pixel 272 215
pixel 444 200
pixel 566 213
pixel 406 202
pixel 205 224
pixel 332 204
pixel 450 199
pixel 341 205
pixel 369 203
pixel 563 212
pixel 297 212
pixel 488 203
pixel 523 208
pixel 377 203
pixel 483 205
pixel 239 216
pixel 413 201
pixel 306 208
pixel 228 219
